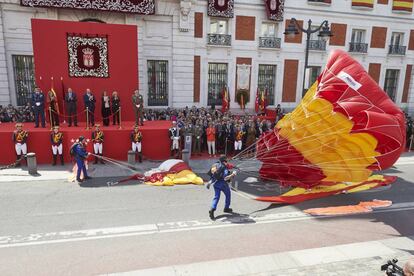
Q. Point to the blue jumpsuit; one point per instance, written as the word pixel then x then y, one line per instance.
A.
pixel 80 156
pixel 221 185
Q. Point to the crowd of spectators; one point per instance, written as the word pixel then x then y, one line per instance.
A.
pixel 228 127
pixel 14 114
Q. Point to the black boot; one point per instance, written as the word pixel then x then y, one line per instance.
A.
pixel 18 160
pixel 211 214
pixel 54 160
pixel 96 160
pixel 140 157
pixel 62 162
pixel 101 160
pixel 228 210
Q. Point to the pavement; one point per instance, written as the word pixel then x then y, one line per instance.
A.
pixel 53 227
pixel 363 258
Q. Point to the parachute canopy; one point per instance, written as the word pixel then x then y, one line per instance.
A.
pixel 345 127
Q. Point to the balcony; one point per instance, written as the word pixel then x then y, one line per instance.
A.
pixel 356 47
pixel 397 50
pixel 219 39
pixel 317 45
pixel 269 42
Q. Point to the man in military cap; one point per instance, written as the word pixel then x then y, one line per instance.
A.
pixel 198 132
pixel 98 139
pixel 38 103
pixel 136 140
pixel 138 102
pixel 79 152
pixel 220 174
pixel 56 138
pixel 19 139
pixel 174 133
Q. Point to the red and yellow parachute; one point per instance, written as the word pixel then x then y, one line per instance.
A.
pixel 345 128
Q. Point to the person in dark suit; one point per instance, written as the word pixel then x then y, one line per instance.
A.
pixel 89 101
pixel 38 103
pixel 71 106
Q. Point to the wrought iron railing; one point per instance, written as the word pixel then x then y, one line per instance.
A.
pixel 357 47
pixel 318 45
pixel 397 50
pixel 269 42
pixel 219 39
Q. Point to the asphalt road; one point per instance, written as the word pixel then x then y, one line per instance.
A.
pixel 59 228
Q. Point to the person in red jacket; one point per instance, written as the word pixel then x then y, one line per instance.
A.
pixel 136 140
pixel 56 138
pixel 211 139
pixel 19 139
pixel 98 139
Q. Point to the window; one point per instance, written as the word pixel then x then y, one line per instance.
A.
pixel 358 36
pixel 391 82
pixel 218 26
pixel 314 72
pixel 217 81
pixel 314 36
pixel 268 30
pixel 157 82
pixel 24 78
pixel 267 80
pixel 397 39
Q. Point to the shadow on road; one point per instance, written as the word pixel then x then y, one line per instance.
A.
pixel 236 218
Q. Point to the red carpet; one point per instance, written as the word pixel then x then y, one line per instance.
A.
pixel 155 143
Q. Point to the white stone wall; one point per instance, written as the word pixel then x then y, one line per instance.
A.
pixel 160 38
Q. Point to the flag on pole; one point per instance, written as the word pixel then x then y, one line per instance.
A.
pixel 54 95
pixel 256 102
pixel 225 100
pixel 261 102
pixel 266 94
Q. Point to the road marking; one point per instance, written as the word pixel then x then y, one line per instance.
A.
pixel 169 227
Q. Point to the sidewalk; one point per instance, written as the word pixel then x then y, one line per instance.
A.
pixel 48 172
pixel 363 258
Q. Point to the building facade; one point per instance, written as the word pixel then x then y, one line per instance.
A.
pixel 193 55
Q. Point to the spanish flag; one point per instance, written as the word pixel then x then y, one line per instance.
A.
pixel 363 3
pixel 402 5
pixel 54 95
pixel 225 100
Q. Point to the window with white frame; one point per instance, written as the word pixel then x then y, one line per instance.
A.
pixel 266 81
pixel 314 36
pixel 391 82
pixel 218 26
pixel 268 29
pixel 217 82
pixel 314 72
pixel 397 39
pixel 157 82
pixel 24 78
pixel 358 36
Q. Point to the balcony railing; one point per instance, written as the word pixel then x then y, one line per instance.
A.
pixel 269 42
pixel 357 47
pixel 219 39
pixel 318 45
pixel 397 50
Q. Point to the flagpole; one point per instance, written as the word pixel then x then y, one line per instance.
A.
pixel 63 99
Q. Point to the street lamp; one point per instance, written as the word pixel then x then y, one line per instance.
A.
pixel 293 29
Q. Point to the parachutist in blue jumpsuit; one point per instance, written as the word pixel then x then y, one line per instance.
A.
pixel 220 174
pixel 80 156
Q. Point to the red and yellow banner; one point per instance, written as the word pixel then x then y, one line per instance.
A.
pixel 363 3
pixel 402 5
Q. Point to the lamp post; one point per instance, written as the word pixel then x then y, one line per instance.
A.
pixel 293 29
